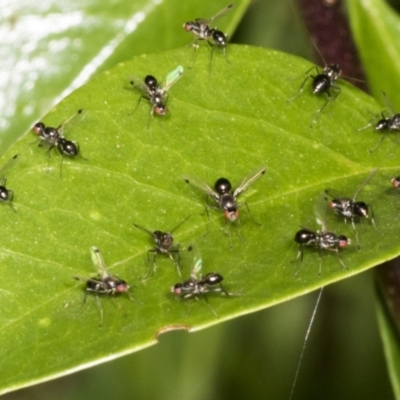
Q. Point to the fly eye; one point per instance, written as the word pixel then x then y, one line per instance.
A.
pixel 38 128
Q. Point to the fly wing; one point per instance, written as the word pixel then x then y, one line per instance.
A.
pixel 7 165
pixel 172 78
pixel 321 211
pixel 334 194
pixel 199 184
pixel 388 103
pixel 139 84
pixel 71 121
pixel 221 13
pixel 196 270
pixel 195 273
pixel 249 180
pixel 367 179
pixel 99 263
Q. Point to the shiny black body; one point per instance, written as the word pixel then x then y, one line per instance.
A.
pixel 388 123
pixel 324 81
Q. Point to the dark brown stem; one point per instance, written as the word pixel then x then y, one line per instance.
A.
pixel 328 27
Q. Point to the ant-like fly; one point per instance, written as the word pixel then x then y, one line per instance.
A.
pixel 104 283
pixel 157 93
pixel 164 244
pixel 386 124
pixel 349 208
pixel 54 138
pixel 322 239
pixel 201 30
pixel 6 195
pixel 199 285
pixel 223 194
pixel 323 82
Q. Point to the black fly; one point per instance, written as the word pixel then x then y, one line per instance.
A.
pixel 322 239
pixel 164 244
pixel 349 208
pixel 6 195
pixel 323 82
pixel 157 93
pixel 199 285
pixel 54 138
pixel 104 283
pixel 387 124
pixel 201 30
pixel 224 195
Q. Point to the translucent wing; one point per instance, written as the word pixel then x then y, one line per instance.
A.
pixel 197 261
pixel 367 179
pixel 7 165
pixel 98 261
pixel 71 121
pixel 249 180
pixel 199 184
pixel 221 13
pixel 334 194
pixel 172 78
pixel 196 270
pixel 321 211
pixel 139 84
pixel 388 103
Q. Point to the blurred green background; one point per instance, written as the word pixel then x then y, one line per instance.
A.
pixel 255 356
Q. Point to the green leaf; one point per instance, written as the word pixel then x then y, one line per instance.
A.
pixel 375 30
pixel 50 49
pixel 224 121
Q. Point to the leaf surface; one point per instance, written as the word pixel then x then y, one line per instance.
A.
pixel 222 122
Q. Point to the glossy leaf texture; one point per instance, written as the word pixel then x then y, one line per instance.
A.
pixel 51 48
pixel 375 27
pixel 226 121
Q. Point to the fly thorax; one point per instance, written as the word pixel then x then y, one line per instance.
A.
pixel 395 123
pixel 342 207
pixel 329 240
